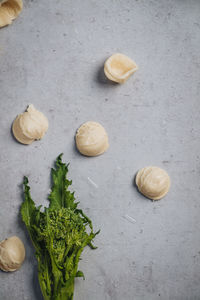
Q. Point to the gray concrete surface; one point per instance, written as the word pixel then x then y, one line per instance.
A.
pixel 52 56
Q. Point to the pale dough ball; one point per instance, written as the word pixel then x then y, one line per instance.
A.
pixel 119 67
pixel 153 182
pixel 91 139
pixel 9 10
pixel 30 126
pixel 12 254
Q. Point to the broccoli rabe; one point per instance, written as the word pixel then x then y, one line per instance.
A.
pixel 59 235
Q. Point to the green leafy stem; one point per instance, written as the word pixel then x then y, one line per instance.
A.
pixel 59 235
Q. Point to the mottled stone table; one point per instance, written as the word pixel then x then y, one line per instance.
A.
pixel 52 56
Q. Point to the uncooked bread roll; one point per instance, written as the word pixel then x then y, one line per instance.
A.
pixel 119 67
pixel 12 254
pixel 30 126
pixel 9 10
pixel 153 182
pixel 91 139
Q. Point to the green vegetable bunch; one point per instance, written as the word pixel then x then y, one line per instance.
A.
pixel 59 235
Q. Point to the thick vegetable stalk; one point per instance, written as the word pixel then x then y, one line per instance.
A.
pixel 59 235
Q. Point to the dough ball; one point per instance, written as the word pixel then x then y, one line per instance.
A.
pixel 119 67
pixel 9 10
pixel 91 139
pixel 12 254
pixel 153 182
pixel 30 126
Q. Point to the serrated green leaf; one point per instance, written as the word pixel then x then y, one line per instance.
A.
pixel 60 196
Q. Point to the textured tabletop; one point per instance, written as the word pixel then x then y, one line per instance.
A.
pixel 52 56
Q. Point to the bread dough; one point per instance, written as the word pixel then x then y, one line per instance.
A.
pixel 9 10
pixel 12 254
pixel 30 126
pixel 91 139
pixel 153 182
pixel 119 67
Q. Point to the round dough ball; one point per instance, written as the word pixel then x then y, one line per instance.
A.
pixel 30 126
pixel 91 139
pixel 12 254
pixel 9 10
pixel 153 182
